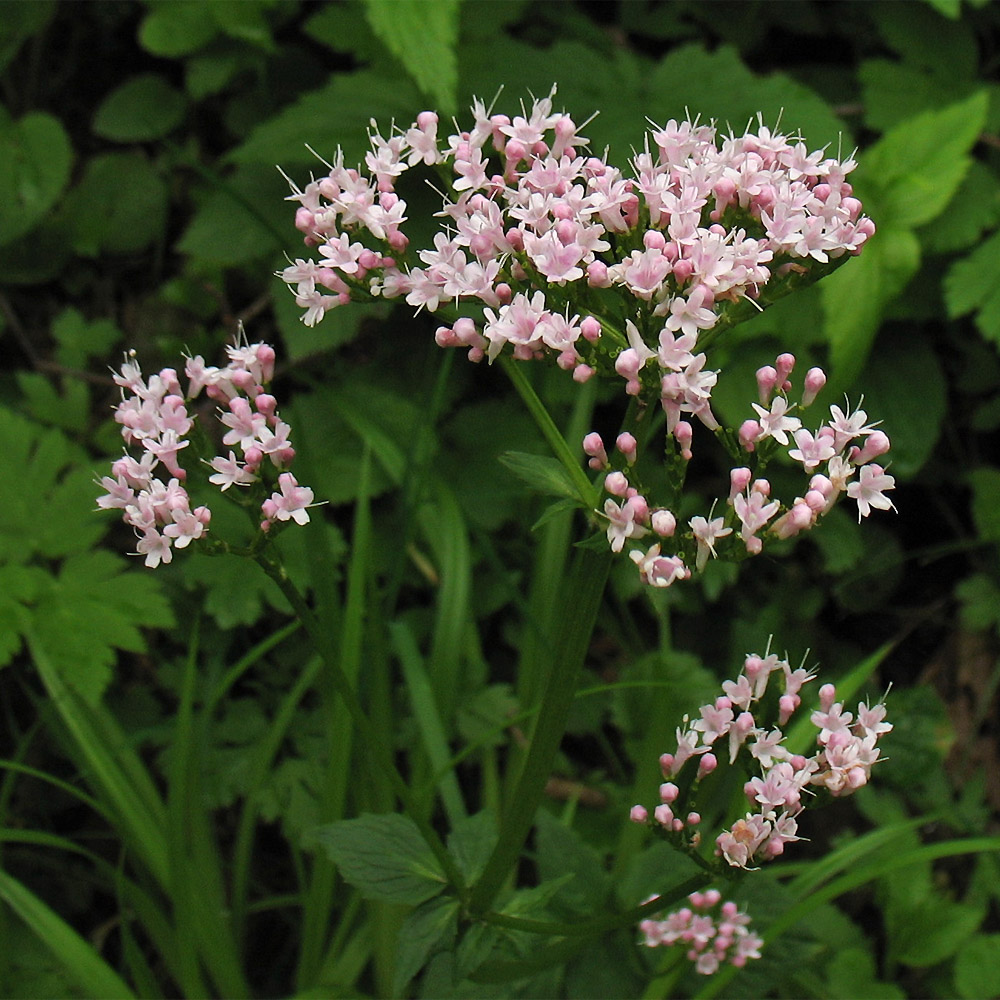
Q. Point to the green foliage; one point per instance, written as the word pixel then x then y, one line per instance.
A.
pixel 385 857
pixel 139 206
pixel 35 161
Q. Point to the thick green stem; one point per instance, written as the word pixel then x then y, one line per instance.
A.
pixel 379 752
pixel 583 593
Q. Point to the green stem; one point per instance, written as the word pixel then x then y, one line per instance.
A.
pixel 377 748
pixel 584 591
pixel 611 922
pixel 571 460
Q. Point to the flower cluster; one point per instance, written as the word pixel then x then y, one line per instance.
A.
pixel 555 252
pixel 154 418
pixel 738 721
pixel 837 458
pixel 712 934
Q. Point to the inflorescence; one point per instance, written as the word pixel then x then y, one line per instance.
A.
pixel 547 252
pixel 154 417
pixel 748 720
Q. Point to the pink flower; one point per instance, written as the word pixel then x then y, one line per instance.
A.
pixel 869 490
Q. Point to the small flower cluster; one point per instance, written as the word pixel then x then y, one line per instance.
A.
pixel 556 253
pixel 712 939
pixel 844 445
pixel 154 417
pixel 846 750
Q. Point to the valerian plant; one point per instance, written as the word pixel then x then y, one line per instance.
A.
pixel 549 254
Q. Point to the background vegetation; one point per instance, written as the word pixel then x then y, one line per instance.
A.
pixel 169 747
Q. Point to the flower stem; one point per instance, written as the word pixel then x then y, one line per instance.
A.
pixel 571 460
pixel 583 591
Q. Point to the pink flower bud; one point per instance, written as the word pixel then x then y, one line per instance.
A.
pixel 784 363
pixel 684 434
pixel 875 444
pixel 663 815
pixel 750 431
pixel 707 763
pixel 666 764
pixel 638 814
pixel 616 484
pixel 582 373
pixel 627 445
pixel 590 329
pixel 593 445
pixel 767 379
pixel 814 381
pixel 787 704
pixel 668 792
pixel 653 239
pixel 827 696
pixel 663 523
pixel 597 275
pixel 693 818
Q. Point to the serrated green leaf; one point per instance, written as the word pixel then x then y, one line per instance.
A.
pixel 35 161
pixel 238 221
pixel 854 298
pixel 974 209
pixel 932 931
pixel 176 28
pixel 977 967
pixel 143 108
pixel 67 409
pixel 541 473
pixel 90 610
pixel 79 340
pixel 471 842
pixel 19 586
pixel 917 166
pixel 430 928
pixel 893 92
pixel 974 282
pixel 335 115
pixel 985 483
pixel 423 37
pixel 383 857
pixel 905 383
pixel 119 206
pixel 562 851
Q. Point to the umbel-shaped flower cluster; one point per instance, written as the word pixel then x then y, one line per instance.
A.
pixel 747 721
pixel 545 251
pixel 155 420
pixel 836 459
pixel 713 934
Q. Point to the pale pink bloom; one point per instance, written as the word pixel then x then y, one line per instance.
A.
pixel 869 490
pixel 775 422
pixel 658 570
pixel 229 472
pixel 291 503
pixel 706 533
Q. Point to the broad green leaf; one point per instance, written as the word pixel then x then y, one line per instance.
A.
pixel 431 927
pixel 974 209
pixel 145 107
pixel 917 166
pixel 949 8
pixel 471 842
pixel 35 161
pixel 240 220
pixel 854 298
pixel 79 340
pixel 974 283
pixel 424 38
pixel 977 967
pixel 541 473
pixel 119 205
pixel 893 91
pixel 336 114
pixel 985 483
pixel 562 851
pixel 19 586
pixel 851 973
pixel 904 387
pixel 66 407
pixel 933 931
pixel 243 20
pixel 176 28
pixel 383 857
